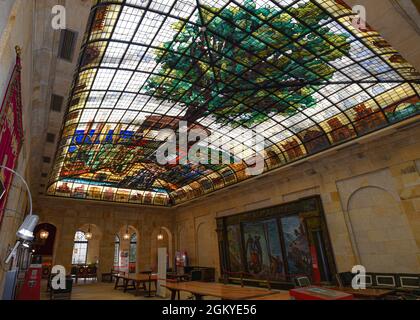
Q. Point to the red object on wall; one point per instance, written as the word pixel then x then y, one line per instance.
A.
pixel 11 131
pixel 318 293
pixel 31 289
pixel 316 274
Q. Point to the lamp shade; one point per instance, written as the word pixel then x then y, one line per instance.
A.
pixel 89 235
pixel 26 230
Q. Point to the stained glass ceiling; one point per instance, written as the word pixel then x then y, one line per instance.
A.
pixel 298 73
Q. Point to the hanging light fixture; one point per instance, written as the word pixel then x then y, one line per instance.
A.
pixel 126 235
pixel 89 234
pixel 43 234
pixel 160 235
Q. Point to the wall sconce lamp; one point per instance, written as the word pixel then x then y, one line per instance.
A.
pixel 89 234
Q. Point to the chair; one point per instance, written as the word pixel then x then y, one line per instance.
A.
pixel 63 294
pixel 51 276
pixel 339 281
pixel 92 273
pixel 388 281
pixel 302 282
pixel 369 280
pixel 81 274
pixel 345 278
pixel 409 284
pixel 409 281
pixel 73 272
pixel 196 275
pixel 109 276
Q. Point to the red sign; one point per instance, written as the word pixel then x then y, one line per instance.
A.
pixel 316 275
pixel 11 131
pixel 319 293
pixel 31 289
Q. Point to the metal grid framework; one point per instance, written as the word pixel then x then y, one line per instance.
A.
pixel 298 73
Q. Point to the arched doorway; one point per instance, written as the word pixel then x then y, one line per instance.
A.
pixel 43 246
pixel 128 249
pixel 86 245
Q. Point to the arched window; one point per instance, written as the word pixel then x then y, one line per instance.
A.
pixel 117 253
pixel 133 253
pixel 80 248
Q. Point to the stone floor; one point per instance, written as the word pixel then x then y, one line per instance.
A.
pixel 105 291
pixel 97 291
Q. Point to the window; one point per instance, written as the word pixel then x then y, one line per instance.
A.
pixel 80 248
pixel 117 253
pixel 133 253
pixel 50 137
pixel 67 45
pixel 56 103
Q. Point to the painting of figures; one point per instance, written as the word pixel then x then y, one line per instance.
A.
pixel 234 245
pixel 264 257
pixel 297 247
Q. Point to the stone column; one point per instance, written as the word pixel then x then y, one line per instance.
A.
pixel 106 253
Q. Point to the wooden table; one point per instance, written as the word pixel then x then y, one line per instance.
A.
pixel 280 296
pixel 118 277
pixel 217 290
pixel 135 281
pixel 140 280
pixel 368 293
pixel 319 293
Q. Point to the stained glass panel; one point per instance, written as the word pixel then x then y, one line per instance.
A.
pixel 299 74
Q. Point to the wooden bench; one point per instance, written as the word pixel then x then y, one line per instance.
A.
pixel 243 278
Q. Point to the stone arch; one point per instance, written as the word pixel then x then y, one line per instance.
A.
pixel 45 247
pixel 125 243
pixel 93 253
pixel 381 231
pixel 369 187
pixel 57 238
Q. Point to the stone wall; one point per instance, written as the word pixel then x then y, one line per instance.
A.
pixel 16 29
pixel 106 221
pixel 370 192
pixel 398 22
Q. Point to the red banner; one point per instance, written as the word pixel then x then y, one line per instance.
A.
pixel 11 131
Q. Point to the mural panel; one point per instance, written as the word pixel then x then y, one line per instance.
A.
pixel 298 254
pixel 278 243
pixel 264 257
pixel 234 240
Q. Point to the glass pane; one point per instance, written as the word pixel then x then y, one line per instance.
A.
pixel 79 253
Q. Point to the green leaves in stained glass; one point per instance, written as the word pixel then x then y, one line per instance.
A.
pixel 243 65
